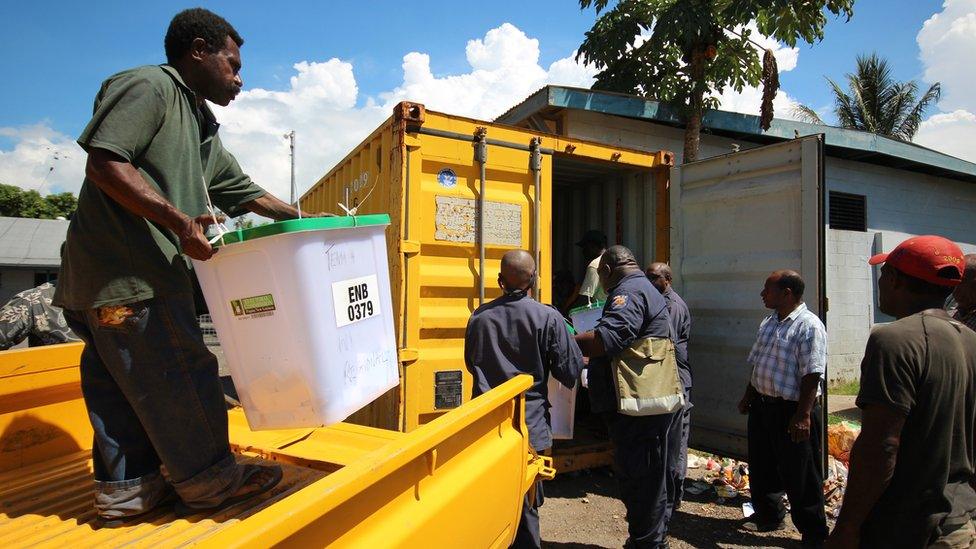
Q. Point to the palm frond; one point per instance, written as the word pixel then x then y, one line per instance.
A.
pixel 913 119
pixel 804 113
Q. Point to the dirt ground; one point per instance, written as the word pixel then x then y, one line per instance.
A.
pixel 582 511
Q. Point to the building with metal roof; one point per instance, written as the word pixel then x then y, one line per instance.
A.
pixel 30 253
pixel 545 109
pixel 877 190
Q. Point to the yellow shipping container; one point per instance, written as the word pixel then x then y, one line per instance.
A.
pixel 437 175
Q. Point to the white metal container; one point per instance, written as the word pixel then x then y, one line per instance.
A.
pixel 303 312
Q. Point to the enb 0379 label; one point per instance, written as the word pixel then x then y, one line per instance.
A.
pixel 355 299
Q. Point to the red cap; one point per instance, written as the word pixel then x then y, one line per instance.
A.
pixel 930 258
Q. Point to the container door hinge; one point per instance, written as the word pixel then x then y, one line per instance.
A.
pixel 409 247
pixel 408 355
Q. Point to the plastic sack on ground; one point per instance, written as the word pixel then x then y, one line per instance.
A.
pixel 840 439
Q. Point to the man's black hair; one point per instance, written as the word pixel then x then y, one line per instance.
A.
pixel 618 256
pixel 793 282
pixel 197 23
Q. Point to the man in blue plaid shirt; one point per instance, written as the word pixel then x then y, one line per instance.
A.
pixel 788 361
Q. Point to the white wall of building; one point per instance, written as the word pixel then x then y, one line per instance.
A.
pixel 900 204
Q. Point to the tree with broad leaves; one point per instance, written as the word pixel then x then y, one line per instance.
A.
pixel 17 202
pixel 680 51
pixel 876 102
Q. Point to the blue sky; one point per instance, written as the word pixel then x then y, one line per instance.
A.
pixel 57 54
pixel 67 49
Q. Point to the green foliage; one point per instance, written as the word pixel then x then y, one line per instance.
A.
pixel 692 48
pixel 64 204
pixel 16 202
pixel 876 103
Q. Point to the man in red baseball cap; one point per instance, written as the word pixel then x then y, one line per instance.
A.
pixel 912 467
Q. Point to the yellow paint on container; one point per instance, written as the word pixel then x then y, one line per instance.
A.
pixel 420 167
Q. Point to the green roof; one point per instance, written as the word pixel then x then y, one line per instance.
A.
pixel 302 225
pixel 840 142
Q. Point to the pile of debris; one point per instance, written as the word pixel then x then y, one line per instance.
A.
pixel 728 479
pixel 840 440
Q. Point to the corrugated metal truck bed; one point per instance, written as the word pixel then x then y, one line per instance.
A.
pixel 50 503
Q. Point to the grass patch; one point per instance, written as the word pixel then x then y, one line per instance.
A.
pixel 834 419
pixel 847 388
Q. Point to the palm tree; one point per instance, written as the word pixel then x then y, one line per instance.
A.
pixel 876 102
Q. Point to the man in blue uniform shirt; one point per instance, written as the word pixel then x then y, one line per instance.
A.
pixel 634 310
pixel 514 335
pixel 660 276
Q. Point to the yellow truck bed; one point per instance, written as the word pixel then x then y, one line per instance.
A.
pixel 457 480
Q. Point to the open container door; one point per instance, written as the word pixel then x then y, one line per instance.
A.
pixel 735 218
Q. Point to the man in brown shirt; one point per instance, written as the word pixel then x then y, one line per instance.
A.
pixel 912 467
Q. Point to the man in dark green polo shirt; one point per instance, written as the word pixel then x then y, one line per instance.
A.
pixel 152 390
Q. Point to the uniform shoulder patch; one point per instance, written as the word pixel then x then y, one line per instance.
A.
pixel 618 302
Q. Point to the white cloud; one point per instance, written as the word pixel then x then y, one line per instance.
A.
pixel 42 160
pixel 952 133
pixel 505 70
pixel 946 43
pixel 322 104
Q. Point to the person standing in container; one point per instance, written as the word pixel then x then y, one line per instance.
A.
pixel 633 337
pixel 150 384
pixel 788 359
pixel 514 335
pixel 660 276
pixel 593 244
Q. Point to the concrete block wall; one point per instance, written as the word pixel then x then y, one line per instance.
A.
pixel 900 204
pixel 850 296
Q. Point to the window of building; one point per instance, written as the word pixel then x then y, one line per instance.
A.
pixel 41 278
pixel 848 212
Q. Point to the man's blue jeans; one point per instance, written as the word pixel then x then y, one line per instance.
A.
pixel 154 399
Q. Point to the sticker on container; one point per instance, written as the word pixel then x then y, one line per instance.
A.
pixel 447 178
pixel 253 307
pixel 355 300
pixel 447 389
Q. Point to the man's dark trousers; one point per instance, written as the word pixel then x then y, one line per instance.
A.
pixel 641 465
pixel 527 536
pixel 778 465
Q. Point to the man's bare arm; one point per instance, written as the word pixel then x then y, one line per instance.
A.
pixel 269 205
pixel 873 459
pixel 121 181
pixel 590 344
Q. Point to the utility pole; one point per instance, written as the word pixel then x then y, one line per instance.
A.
pixel 290 136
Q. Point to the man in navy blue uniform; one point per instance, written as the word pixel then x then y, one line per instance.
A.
pixel 660 276
pixel 634 310
pixel 514 335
